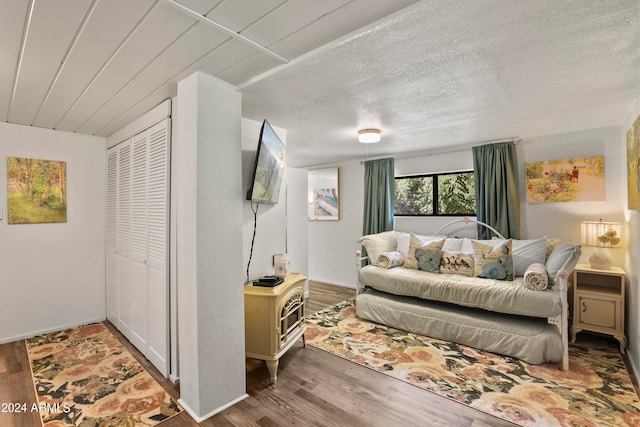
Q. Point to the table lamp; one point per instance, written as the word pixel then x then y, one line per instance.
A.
pixel 602 236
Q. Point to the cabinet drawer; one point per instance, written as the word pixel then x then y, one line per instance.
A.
pixel 603 313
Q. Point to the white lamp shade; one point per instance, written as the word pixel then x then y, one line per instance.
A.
pixel 368 136
pixel 601 234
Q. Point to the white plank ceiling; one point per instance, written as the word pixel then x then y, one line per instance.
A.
pixel 430 74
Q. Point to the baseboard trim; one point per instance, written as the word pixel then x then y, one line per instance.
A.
pixel 174 379
pixel 331 282
pixel 5 340
pixel 212 413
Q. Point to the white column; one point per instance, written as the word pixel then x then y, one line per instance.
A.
pixel 209 245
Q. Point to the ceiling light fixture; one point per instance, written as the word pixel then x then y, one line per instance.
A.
pixel 368 136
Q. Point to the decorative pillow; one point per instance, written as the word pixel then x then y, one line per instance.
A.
pixel 536 277
pixel 563 257
pixel 418 242
pixel 493 262
pixel 377 244
pixel 452 244
pixel 429 259
pixel 551 245
pixel 457 263
pixel 390 259
pixel 527 252
pixel 467 244
pixel 404 241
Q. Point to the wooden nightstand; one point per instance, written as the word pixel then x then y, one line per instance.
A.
pixel 598 302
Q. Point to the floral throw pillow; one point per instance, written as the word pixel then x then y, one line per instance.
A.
pixel 457 263
pixel 422 243
pixel 429 259
pixel 493 262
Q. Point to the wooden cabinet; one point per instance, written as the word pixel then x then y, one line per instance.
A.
pixel 273 320
pixel 598 302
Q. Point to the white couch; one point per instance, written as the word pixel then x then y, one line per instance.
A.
pixel 501 316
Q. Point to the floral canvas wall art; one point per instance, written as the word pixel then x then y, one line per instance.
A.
pixel 570 180
pixel 633 165
pixel 36 191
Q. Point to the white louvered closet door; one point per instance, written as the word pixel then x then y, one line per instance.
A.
pixel 124 239
pixel 158 244
pixel 138 229
pixel 139 277
pixel 112 235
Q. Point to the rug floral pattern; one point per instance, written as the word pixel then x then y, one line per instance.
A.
pixel 84 377
pixel 596 391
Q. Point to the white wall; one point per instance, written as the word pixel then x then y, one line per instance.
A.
pixel 562 220
pixel 297 241
pixel 632 266
pixel 281 228
pixel 52 276
pixel 271 226
pixel 331 243
pixel 209 249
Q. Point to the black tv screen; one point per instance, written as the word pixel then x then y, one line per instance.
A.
pixel 268 167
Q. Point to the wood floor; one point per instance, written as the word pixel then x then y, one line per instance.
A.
pixel 314 388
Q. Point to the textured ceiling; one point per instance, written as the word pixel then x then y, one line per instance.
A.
pixel 441 74
pixel 431 74
pixel 93 66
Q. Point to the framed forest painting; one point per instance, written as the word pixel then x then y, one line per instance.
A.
pixel 36 191
pixel 569 180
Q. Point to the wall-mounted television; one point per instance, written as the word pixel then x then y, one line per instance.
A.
pixel 268 167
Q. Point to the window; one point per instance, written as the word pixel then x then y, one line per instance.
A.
pixel 435 194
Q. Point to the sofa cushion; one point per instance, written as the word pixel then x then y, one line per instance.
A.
pixel 536 277
pixel 467 245
pixel 390 259
pixel 527 252
pixel 564 257
pixel 457 263
pixel 493 262
pixel 452 244
pixel 377 244
pixel 423 242
pixel 429 259
pixel 495 295
pixel 532 340
pixel 403 240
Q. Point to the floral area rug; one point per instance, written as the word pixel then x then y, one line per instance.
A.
pixel 85 377
pixel 596 391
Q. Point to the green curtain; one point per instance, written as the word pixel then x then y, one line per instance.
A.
pixel 379 186
pixel 497 189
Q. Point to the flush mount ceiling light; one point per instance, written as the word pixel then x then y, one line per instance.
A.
pixel 368 136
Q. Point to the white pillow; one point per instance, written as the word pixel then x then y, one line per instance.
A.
pixel 564 257
pixel 467 246
pixel 404 241
pixel 452 244
pixel 527 252
pixel 377 244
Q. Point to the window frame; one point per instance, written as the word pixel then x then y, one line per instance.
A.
pixel 435 189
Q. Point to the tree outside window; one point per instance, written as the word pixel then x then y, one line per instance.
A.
pixel 435 194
